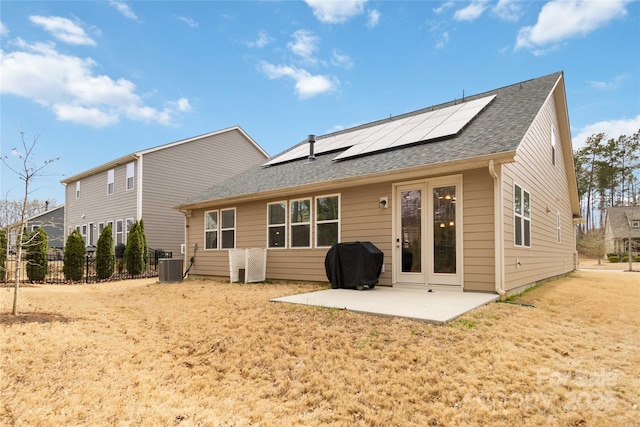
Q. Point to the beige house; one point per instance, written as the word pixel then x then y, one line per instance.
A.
pixel 147 183
pixel 478 194
pixel 622 225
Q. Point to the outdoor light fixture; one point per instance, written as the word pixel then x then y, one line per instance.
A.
pixel 384 202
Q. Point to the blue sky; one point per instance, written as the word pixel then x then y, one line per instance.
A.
pixel 96 80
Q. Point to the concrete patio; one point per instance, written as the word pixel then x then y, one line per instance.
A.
pixel 438 306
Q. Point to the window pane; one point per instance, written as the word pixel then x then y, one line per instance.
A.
pixel 228 239
pixel 517 229
pixel 211 220
pixel 327 208
pixel 300 236
pixel 327 234
pixel 527 232
pixel 211 240
pixel 517 199
pixel 527 205
pixel 277 213
pixel 276 237
pixel 228 218
pixel 444 229
pixel 300 211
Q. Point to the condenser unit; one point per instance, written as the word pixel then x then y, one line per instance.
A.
pixel 169 270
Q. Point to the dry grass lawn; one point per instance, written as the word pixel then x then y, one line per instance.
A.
pixel 218 354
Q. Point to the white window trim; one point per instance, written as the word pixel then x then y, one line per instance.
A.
pixel 130 176
pixel 309 223
pixel 116 232
pixel 553 146
pixel 285 224
pixel 522 216
pixel 111 182
pixel 234 229
pixel 217 230
pixel 315 217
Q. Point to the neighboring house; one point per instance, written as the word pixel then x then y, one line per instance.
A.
pixel 621 224
pixel 478 194
pixel 147 183
pixel 51 221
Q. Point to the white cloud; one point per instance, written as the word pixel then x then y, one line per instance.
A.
pixel 304 45
pixel 471 12
pixel 190 22
pixel 68 87
pixel 341 60
pixel 124 9
pixel 442 42
pixel 307 85
pixel 611 129
pixel 336 12
pixel 443 7
pixel 262 40
pixel 63 29
pixel 562 19
pixel 3 29
pixel 613 84
pixel 374 18
pixel 508 10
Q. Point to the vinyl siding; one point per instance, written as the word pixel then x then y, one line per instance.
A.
pixel 95 204
pixel 478 226
pixel 361 220
pixel 548 187
pixel 172 175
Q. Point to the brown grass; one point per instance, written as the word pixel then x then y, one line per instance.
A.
pixel 216 354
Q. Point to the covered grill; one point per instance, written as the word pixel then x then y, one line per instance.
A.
pixel 353 265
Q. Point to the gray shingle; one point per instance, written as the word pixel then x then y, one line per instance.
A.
pixel 498 129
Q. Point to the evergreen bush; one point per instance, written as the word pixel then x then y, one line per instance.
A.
pixel 625 258
pixel 145 248
pixel 105 254
pixel 36 245
pixel 614 258
pixel 74 252
pixel 134 252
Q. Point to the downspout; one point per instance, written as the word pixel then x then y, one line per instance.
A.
pixel 187 215
pixel 498 226
pixel 139 187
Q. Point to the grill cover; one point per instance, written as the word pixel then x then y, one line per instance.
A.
pixel 353 265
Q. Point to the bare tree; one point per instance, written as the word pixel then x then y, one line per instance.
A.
pixel 27 171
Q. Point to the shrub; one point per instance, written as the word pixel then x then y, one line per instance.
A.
pixel 145 248
pixel 625 258
pixel 105 254
pixel 614 258
pixel 36 245
pixel 74 252
pixel 637 258
pixel 134 252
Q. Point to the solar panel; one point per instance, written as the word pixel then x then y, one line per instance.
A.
pixel 437 124
pixel 421 127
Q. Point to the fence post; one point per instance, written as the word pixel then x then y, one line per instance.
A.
pixel 86 270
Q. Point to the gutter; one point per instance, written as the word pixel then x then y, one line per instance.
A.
pixel 498 227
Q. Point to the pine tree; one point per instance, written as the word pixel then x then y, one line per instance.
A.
pixel 133 254
pixel 105 254
pixel 74 252
pixel 36 245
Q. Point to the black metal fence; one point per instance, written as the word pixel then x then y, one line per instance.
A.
pixel 55 272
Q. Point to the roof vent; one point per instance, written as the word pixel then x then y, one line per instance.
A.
pixel 312 141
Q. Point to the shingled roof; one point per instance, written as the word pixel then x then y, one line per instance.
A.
pixel 495 132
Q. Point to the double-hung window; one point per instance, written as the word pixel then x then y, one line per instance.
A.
pixel 220 229
pixel 119 234
pixel 130 174
pixel 110 181
pixel 522 216
pixel 327 221
pixel 277 225
pixel 300 223
pixel 77 189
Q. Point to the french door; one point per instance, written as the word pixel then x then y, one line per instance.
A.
pixel 428 232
